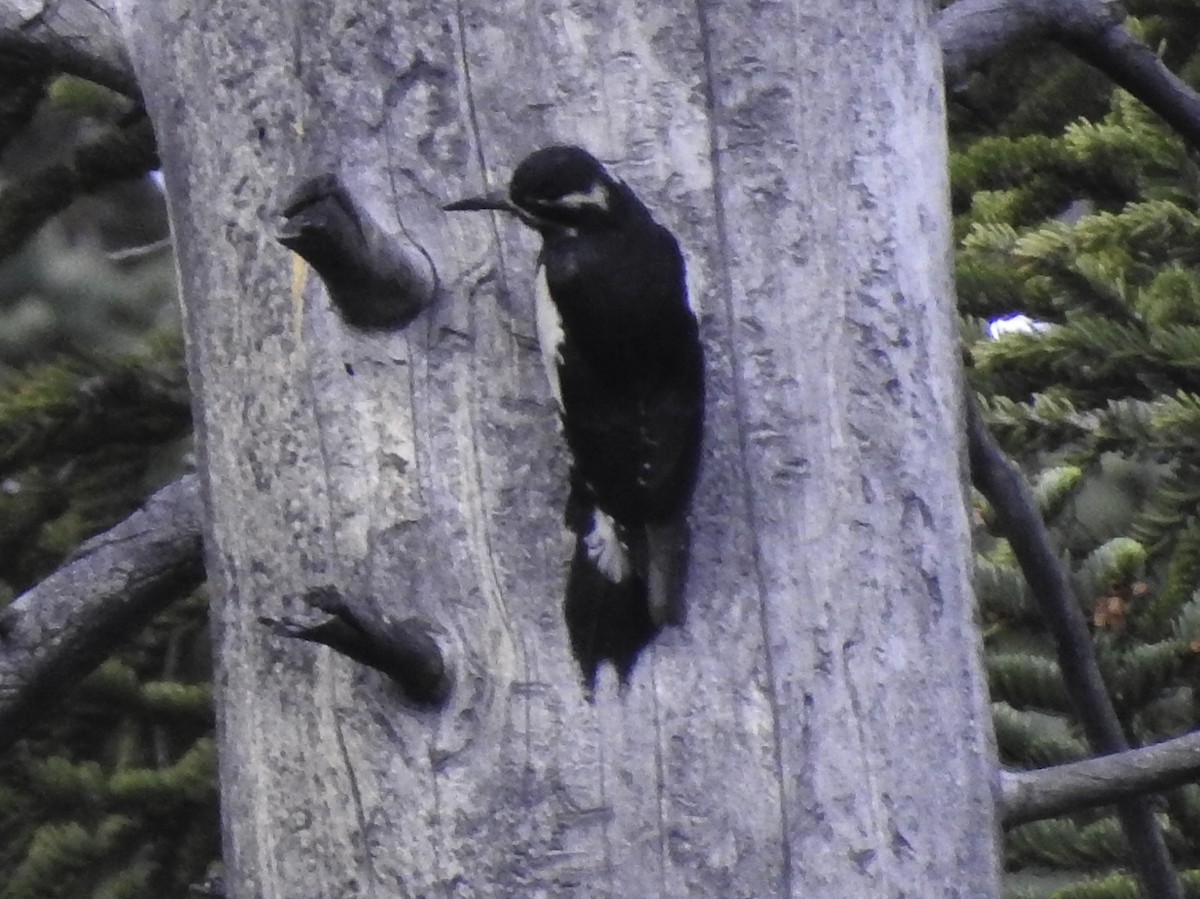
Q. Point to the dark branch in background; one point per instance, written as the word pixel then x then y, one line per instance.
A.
pixel 973 31
pixel 1019 521
pixel 375 281
pixel 55 634
pixel 1033 795
pixel 21 90
pixel 75 37
pixel 117 155
pixel 404 650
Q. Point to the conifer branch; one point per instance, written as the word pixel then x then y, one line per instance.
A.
pixel 116 155
pixel 1017 516
pixel 1047 792
pixel 974 31
pixel 75 37
pixel 65 411
pixel 56 633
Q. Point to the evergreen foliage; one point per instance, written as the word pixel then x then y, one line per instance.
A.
pixel 80 446
pixel 1081 211
pixel 115 796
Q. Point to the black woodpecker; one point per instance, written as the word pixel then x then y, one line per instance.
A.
pixel 621 347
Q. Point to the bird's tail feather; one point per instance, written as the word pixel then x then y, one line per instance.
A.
pixel 606 621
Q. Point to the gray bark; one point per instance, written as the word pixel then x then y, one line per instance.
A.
pixel 820 725
pixel 57 632
pixel 975 31
pixel 80 37
pixel 1048 792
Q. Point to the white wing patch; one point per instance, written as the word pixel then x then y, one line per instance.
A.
pixel 605 549
pixel 692 284
pixel 549 332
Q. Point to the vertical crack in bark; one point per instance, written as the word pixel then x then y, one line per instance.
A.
pixel 516 637
pixel 870 828
pixel 367 863
pixel 468 88
pixel 441 850
pixel 398 206
pixel 607 820
pixel 724 257
pixel 476 135
pixel 660 786
pixel 482 531
pixel 477 463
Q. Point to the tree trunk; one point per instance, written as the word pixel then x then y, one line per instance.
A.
pixel 820 725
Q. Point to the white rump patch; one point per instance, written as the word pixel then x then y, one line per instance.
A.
pixel 549 332
pixel 605 549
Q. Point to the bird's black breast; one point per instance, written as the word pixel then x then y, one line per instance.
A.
pixel 630 369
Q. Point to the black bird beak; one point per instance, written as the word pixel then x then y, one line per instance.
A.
pixel 497 200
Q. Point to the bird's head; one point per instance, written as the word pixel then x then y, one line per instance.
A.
pixel 559 189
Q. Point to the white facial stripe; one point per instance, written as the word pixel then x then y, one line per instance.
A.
pixel 549 332
pixel 596 195
pixel 605 549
